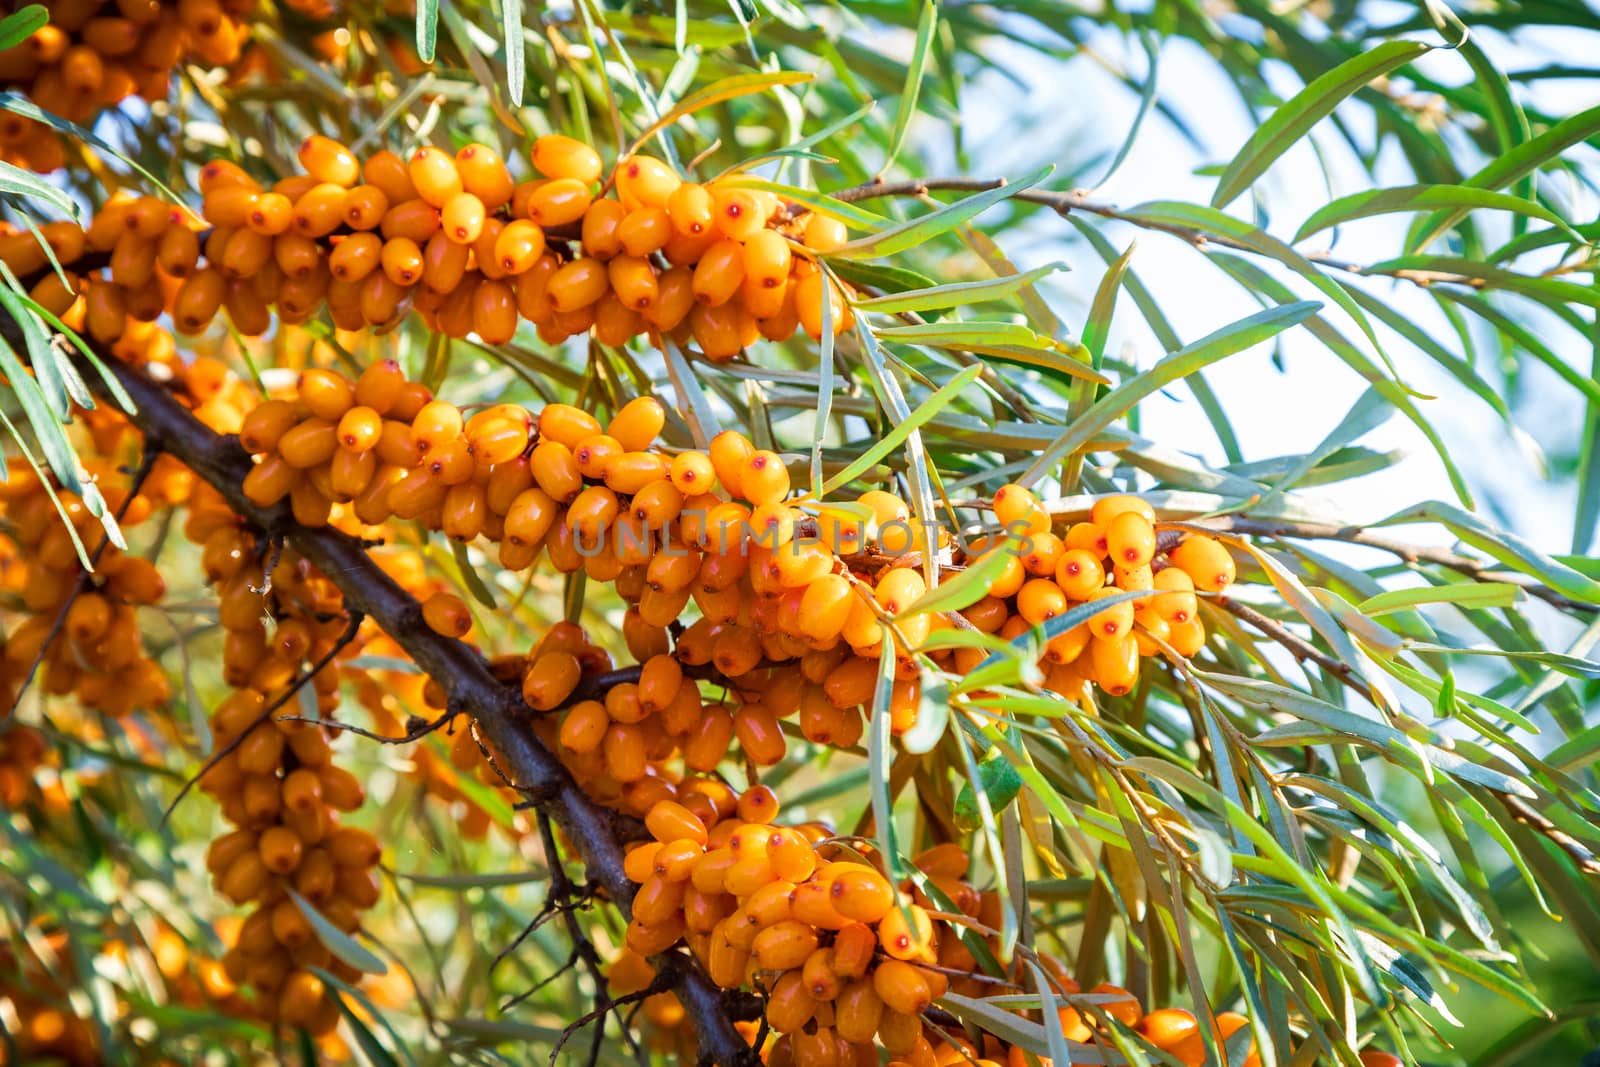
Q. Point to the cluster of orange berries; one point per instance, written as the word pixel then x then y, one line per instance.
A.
pixel 275 778
pixel 93 54
pixel 1115 551
pixel 843 960
pixel 96 652
pixel 464 244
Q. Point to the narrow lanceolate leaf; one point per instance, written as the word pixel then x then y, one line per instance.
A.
pixel 19 26
pixel 957 294
pixel 904 428
pixel 1423 198
pixel 1507 167
pixel 1466 594
pixel 427 29
pixel 1232 339
pixel 927 24
pixel 1506 547
pixel 516 67
pixel 336 941
pixel 717 93
pixel 18 182
pixel 1547 290
pixel 925 228
pixel 1006 340
pixel 966 588
pixel 1309 106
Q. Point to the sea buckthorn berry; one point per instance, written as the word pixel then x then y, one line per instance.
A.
pixel 550 680
pixel 271 214
pixel 738 213
pixel 906 933
pixel 559 201
pixel 355 257
pixel 1115 620
pixel 582 731
pixel 691 209
pixel 1012 503
pixel 447 615
pixel 730 453
pixel 327 394
pixel 360 429
pixel 692 473
pixel 499 434
pixel 633 280
pixel 462 218
pixel 434 175
pixel 558 156
pixel 901 987
pixel 329 161
pixel 719 273
pixel 1116 663
pixel 646 180
pixel 1206 561
pixel 764 479
pixel 824 234
pixel 484 175
pixel 1130 539
pixel 670 821
pixel 578 285
pixel 518 246
pixel 1177 603
pixel 1375 1058
pixel 1165 1027
pixel 809 295
pixel 402 261
pixel 494 312
pixel 1079 574
pixel 364 207
pixel 784 945
pixel 1040 599
pixel 438 423
pixel 862 894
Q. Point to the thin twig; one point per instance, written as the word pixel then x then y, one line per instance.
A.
pixel 1301 649
pixel 266 713
pixel 147 463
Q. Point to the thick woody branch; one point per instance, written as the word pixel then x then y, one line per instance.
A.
pixel 457 667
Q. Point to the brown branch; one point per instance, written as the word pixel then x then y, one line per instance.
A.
pixel 1480 570
pixel 1065 203
pixel 1301 649
pixel 457 667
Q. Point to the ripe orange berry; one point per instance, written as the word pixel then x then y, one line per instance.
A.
pixel 447 615
pixel 764 479
pixel 691 209
pixel 645 180
pixel 329 161
pixel 824 234
pixel 1124 1008
pixel 1040 599
pixel 906 933
pixel 550 680
pixel 1130 539
pixel 462 217
pixel 559 201
pixel 558 156
pixel 1165 1027
pixel 861 893
pixel 1079 574
pixel 1375 1058
pixel 1206 562
pixel 434 175
pixel 1115 620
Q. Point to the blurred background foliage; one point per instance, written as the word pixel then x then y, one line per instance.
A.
pixel 1426 173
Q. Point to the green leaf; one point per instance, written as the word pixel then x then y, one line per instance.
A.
pixel 1501 545
pixel 18 182
pixel 516 64
pixel 933 715
pixel 1507 167
pixel 903 428
pixel 20 25
pixel 965 589
pixel 878 761
pixel 1007 1026
pixel 718 92
pixel 926 227
pixel 1309 106
pixel 956 294
pixel 1546 290
pixel 336 941
pixel 1005 340
pixel 470 577
pixel 927 24
pixel 427 29
pixel 1000 783
pixel 1422 198
pixel 1230 340
pixel 1465 594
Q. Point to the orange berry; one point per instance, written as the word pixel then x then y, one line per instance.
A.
pixel 447 615
pixel 558 156
pixel 329 161
pixel 1206 562
pixel 434 175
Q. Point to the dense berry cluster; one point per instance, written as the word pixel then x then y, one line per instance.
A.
pixel 86 641
pixel 93 54
pixel 461 242
pixel 275 778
